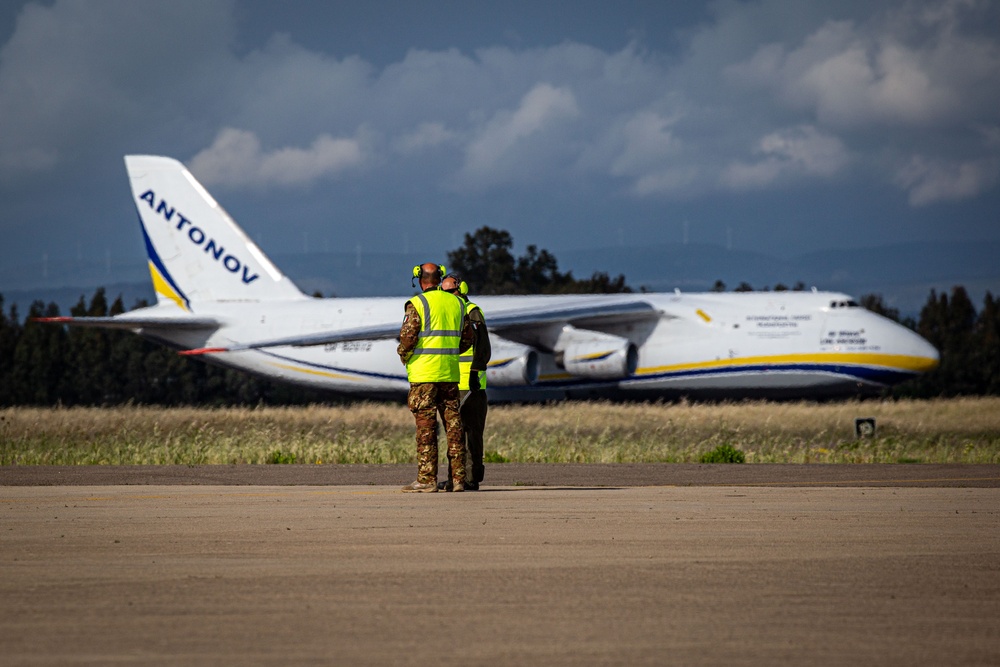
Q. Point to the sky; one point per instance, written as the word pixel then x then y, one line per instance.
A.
pixel 775 126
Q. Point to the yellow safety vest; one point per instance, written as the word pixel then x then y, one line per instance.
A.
pixel 465 360
pixel 435 358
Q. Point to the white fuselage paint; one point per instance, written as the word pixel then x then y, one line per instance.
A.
pixel 738 344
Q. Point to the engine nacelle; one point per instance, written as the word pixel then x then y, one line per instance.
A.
pixel 608 358
pixel 511 364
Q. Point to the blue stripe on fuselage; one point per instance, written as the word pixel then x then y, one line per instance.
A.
pixel 332 369
pixel 868 374
pixel 884 376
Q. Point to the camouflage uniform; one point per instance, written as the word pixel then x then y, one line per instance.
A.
pixel 428 399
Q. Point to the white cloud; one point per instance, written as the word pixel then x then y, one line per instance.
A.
pixel 788 154
pixel 541 108
pixel 675 182
pixel 288 93
pixel 855 87
pixel 236 159
pixel 427 135
pixel 930 181
pixel 76 72
pixel 662 125
pixel 764 95
pixel 904 65
pixel 643 149
pixel 808 148
pixel 647 140
pixel 743 176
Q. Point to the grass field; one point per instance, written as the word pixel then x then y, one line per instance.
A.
pixel 939 431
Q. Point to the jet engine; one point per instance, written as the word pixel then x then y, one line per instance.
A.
pixel 603 358
pixel 512 364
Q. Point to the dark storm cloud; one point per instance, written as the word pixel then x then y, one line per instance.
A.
pixel 767 104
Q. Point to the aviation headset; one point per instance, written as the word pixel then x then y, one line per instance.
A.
pixel 463 287
pixel 417 273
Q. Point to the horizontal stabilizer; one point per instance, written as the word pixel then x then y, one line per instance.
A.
pixel 375 332
pixel 133 323
pixel 203 350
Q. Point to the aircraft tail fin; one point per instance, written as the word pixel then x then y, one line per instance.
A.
pixel 197 253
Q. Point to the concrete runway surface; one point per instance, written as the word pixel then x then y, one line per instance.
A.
pixel 899 569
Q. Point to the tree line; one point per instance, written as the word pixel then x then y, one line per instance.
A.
pixel 42 364
pixel 485 260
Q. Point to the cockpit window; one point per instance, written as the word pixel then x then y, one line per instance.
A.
pixel 850 303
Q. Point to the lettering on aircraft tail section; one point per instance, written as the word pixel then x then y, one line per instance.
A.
pixel 197 236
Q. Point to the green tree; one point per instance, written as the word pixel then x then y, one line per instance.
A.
pixel 601 283
pixel 39 366
pixel 486 262
pixel 10 332
pixel 948 323
pixel 987 346
pixel 537 272
pixel 91 379
pixel 46 364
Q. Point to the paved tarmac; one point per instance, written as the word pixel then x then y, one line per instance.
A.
pixel 561 565
pixel 518 474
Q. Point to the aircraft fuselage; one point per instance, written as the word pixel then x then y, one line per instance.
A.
pixel 705 344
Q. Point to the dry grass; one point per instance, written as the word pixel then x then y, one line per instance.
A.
pixel 955 431
pixel 942 431
pixel 368 433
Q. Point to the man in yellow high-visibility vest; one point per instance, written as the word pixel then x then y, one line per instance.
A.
pixel 471 385
pixel 434 332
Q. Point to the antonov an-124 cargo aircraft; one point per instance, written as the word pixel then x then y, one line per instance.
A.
pixel 220 297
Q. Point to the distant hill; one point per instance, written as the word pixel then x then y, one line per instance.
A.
pixel 903 274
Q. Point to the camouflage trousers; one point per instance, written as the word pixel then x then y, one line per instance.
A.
pixel 426 401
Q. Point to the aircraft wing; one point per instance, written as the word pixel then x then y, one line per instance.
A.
pixel 133 323
pixel 582 313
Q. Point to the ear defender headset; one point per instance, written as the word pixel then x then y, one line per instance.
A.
pixel 417 273
pixel 463 287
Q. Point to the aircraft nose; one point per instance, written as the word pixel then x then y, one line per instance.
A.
pixel 913 352
pixel 928 352
pixel 925 355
